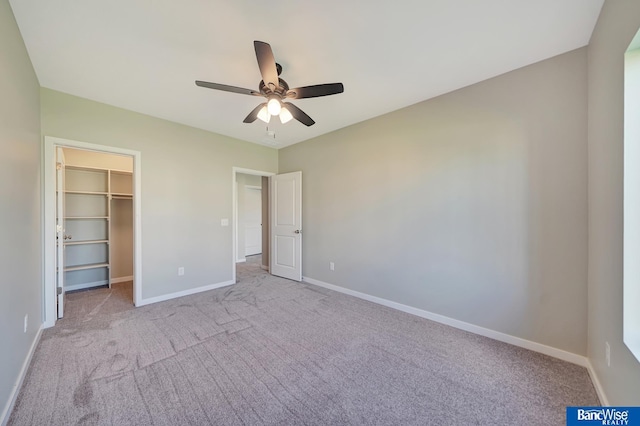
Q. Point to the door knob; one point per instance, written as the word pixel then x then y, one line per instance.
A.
pixel 297 231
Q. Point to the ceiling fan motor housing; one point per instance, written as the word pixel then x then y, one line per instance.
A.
pixel 281 90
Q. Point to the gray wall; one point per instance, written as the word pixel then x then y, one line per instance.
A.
pixel 186 186
pixel 472 205
pixel 20 248
pixel 618 23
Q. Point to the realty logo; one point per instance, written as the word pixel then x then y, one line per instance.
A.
pixel 606 416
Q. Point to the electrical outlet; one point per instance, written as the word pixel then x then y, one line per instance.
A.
pixel 26 322
pixel 181 271
pixel 607 353
pixel 332 266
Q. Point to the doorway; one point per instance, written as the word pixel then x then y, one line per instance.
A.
pixel 281 214
pixel 251 217
pixel 92 224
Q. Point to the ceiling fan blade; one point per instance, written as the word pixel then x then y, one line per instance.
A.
pixel 315 91
pixel 253 115
pixel 267 64
pixel 299 114
pixel 226 88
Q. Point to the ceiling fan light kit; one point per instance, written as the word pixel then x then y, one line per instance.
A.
pixel 273 105
pixel 263 114
pixel 285 115
pixel 275 90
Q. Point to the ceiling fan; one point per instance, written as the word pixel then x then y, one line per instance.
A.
pixel 276 90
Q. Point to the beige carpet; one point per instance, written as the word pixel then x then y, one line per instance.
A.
pixel 277 352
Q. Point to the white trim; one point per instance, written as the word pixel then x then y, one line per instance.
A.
pixel 234 204
pixel 251 172
pixel 602 396
pixel 48 234
pixel 137 228
pixel 49 226
pixel 496 335
pixel 85 285
pixel 4 418
pixel 241 260
pixel 121 279
pixel 184 293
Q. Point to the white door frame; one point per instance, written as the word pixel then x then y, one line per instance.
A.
pixel 61 234
pixel 49 218
pixel 234 192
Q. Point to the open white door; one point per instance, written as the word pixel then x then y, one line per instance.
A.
pixel 60 231
pixel 286 225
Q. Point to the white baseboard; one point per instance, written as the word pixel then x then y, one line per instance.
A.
pixel 85 285
pixel 241 260
pixel 121 279
pixel 496 335
pixel 597 385
pixel 4 418
pixel 170 296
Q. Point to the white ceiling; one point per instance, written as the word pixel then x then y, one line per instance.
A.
pixel 144 55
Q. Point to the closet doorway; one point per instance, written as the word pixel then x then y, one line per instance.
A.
pixel 95 222
pixel 98 219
